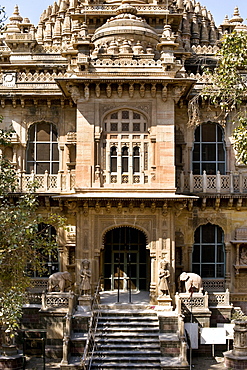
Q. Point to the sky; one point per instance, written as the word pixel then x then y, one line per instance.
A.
pixel 32 9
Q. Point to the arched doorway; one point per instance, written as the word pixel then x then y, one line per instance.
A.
pixel 125 260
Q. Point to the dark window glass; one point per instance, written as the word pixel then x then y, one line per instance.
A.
pixel 136 126
pixel 43 152
pixel 125 126
pixel 42 149
pixel 196 253
pixel 209 150
pixel 114 126
pixel 208 258
pixel 43 133
pixel 125 114
pixel 113 159
pixel 136 115
pixel 208 132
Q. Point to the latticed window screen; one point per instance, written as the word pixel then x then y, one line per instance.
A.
pixel 42 149
pixel 209 150
pixel 130 147
pixel 208 258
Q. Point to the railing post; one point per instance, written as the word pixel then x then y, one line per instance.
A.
pixel 19 179
pixel 191 182
pixel 227 297
pixel 46 179
pixel 206 300
pixel 68 181
pixel 59 180
pixel 43 300
pixel 32 177
pixel 218 182
pixel 204 182
pixel 240 182
pixel 178 304
pixel 231 183
pixel 66 340
pixel 181 185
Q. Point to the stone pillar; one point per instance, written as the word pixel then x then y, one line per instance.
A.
pixel 237 358
pixel 228 264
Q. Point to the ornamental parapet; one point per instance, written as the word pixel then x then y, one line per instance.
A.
pixel 45 183
pixel 232 183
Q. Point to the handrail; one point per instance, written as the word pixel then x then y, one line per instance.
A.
pixel 90 343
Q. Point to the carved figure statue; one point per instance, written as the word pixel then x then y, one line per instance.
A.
pixel 164 274
pixel 191 280
pixel 59 279
pixel 85 285
pixel 243 256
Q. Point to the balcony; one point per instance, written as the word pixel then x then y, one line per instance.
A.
pixel 233 183
pixel 46 183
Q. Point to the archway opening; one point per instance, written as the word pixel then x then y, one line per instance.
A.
pixel 125 260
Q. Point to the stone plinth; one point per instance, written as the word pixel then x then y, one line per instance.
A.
pixel 85 302
pixel 11 359
pixel 165 301
pixel 237 358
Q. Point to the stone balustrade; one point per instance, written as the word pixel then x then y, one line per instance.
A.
pixel 201 301
pixel 46 182
pixel 220 184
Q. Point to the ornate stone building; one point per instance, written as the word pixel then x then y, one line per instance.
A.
pixel 98 97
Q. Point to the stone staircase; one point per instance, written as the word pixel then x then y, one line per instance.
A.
pixel 130 338
pixel 127 339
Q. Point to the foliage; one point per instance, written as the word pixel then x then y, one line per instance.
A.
pixel 2 18
pixel 228 89
pixel 21 240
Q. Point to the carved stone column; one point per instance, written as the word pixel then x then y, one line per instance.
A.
pixel 237 358
pixel 228 265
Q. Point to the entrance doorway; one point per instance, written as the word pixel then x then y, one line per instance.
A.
pixel 126 261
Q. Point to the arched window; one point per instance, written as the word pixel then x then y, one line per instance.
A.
pixel 113 155
pixel 42 149
pixel 48 260
pixel 208 258
pixel 136 159
pixel 125 159
pixel 209 150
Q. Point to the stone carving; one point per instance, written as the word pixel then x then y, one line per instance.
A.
pixel 243 256
pixel 85 273
pixel 60 280
pixel 192 281
pixel 164 274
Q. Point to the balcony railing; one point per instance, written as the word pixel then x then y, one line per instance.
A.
pixel 46 182
pixel 220 184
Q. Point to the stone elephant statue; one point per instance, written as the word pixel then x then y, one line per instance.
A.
pixel 60 280
pixel 191 280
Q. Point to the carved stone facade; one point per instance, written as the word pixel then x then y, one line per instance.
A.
pixel 98 98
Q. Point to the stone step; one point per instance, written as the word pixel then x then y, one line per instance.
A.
pixel 131 331
pixel 127 334
pixel 132 359
pixel 129 352
pixel 127 312
pixel 141 346
pixel 129 321
pixel 129 318
pixel 123 365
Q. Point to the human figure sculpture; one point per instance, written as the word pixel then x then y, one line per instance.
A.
pixel 243 256
pixel 164 274
pixel 192 281
pixel 60 280
pixel 85 285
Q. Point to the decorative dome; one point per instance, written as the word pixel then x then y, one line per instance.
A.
pixel 125 26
